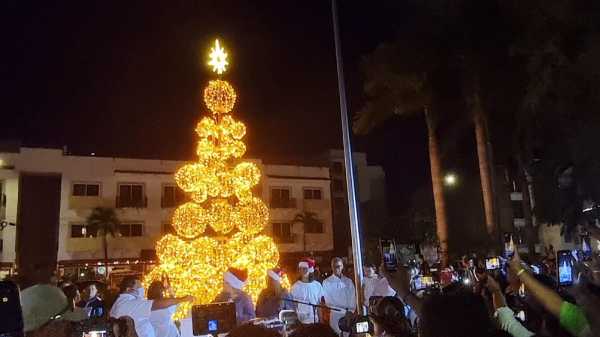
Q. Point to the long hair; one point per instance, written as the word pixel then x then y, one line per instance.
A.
pixel 155 290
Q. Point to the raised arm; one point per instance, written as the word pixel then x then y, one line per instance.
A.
pixel 167 302
pixel 400 282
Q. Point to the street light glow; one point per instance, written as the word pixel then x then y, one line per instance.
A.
pixel 450 179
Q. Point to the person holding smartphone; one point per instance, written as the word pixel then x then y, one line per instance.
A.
pixel 571 316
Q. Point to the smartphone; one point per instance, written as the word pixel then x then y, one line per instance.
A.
pixel 97 333
pixel 536 269
pixel 564 259
pixel 362 327
pixel 509 246
pixel 492 263
pixel 586 248
pixel 388 253
pixel 423 282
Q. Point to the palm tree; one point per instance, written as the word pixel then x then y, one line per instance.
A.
pixel 308 219
pixel 400 81
pixel 104 222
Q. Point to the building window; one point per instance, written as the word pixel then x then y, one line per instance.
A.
pixel 172 196
pixel 315 226
pixel 167 228
pixel 312 194
pixel 131 229
pixel 337 167
pixel 517 208
pixel 338 185
pixel 131 195
pixel 86 189
pixel 280 198
pixel 282 232
pixel 82 231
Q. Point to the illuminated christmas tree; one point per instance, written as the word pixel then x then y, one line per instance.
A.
pixel 219 185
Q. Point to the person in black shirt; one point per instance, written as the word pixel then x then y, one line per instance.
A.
pixel 93 305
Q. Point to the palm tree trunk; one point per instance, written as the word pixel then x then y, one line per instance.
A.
pixel 438 191
pixel 105 246
pixel 484 166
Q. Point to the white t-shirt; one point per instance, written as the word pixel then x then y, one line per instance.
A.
pixel 138 309
pixel 376 286
pixel 162 322
pixel 339 293
pixel 310 293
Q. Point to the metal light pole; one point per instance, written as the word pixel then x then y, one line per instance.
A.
pixel 348 160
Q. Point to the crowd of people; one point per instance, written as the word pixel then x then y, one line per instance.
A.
pixel 519 298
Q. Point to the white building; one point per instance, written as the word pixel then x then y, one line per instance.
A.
pixel 144 194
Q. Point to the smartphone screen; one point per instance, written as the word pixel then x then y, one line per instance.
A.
pixel 362 327
pixel 509 245
pixel 423 282
pixel 564 259
pixel 492 263
pixel 388 253
pixel 536 269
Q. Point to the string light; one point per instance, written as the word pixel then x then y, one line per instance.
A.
pixel 219 97
pixel 221 198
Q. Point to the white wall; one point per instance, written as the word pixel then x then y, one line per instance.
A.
pixel 296 178
pixel 109 172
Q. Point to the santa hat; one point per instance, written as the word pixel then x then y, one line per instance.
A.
pixel 307 263
pixel 276 274
pixel 236 277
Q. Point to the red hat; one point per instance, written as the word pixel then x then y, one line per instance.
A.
pixel 276 274
pixel 236 277
pixel 307 263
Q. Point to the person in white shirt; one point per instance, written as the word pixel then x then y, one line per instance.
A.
pixel 162 320
pixel 339 293
pixel 131 303
pixel 374 285
pixel 307 290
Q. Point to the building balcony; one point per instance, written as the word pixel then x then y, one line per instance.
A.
pixel 316 205
pixel 283 203
pixel 131 203
pixel 285 239
pixel 83 202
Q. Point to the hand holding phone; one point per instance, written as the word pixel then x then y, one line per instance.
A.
pixel 564 260
pixel 388 254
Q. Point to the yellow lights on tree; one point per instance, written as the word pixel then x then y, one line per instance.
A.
pixel 218 58
pixel 220 187
pixel 219 97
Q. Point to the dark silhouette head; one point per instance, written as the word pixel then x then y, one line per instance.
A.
pixel 314 330
pixel 458 314
pixel 387 316
pixel 248 330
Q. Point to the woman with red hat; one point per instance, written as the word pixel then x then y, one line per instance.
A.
pixel 273 298
pixel 234 281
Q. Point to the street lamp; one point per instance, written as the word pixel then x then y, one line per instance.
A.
pixel 450 179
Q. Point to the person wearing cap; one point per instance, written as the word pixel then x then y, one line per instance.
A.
pixel 234 281
pixel 131 303
pixel 339 293
pixel 307 290
pixel 273 298
pixel 46 311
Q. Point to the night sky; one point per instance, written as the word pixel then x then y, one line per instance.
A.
pixel 125 80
